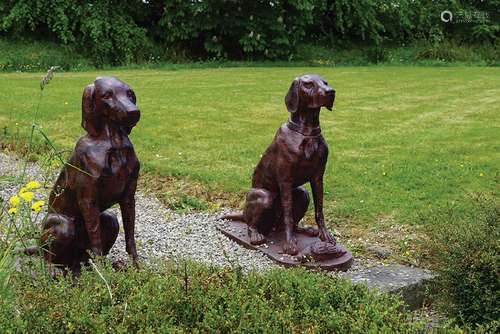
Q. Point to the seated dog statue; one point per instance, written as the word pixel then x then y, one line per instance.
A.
pixel 297 155
pixel 102 171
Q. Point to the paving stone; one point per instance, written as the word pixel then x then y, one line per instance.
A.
pixel 409 282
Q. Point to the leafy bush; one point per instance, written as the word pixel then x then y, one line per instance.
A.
pixel 30 56
pixel 376 54
pixel 466 246
pixel 121 32
pixel 106 31
pixel 111 34
pixel 348 21
pixel 235 29
pixel 193 298
pixel 418 53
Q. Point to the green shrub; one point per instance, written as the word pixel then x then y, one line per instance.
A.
pixel 191 298
pixel 235 29
pixel 28 55
pixel 121 32
pixel 376 54
pixel 105 31
pixel 466 246
pixel 417 53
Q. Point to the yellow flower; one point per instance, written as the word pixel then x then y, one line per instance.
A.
pixel 481 174
pixel 37 206
pixel 14 201
pixel 27 196
pixel 33 185
pixel 23 190
pixel 12 211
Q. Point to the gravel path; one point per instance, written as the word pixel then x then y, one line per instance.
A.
pixel 160 232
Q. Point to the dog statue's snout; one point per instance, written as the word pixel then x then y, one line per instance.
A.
pixel 132 117
pixel 329 92
pixel 127 114
pixel 330 95
pixel 127 106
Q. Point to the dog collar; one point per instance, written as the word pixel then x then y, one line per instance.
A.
pixel 309 131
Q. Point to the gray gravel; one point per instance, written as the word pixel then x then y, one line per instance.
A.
pixel 160 233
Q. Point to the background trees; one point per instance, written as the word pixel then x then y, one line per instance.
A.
pixel 125 31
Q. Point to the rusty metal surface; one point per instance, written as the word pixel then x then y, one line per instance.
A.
pixel 273 248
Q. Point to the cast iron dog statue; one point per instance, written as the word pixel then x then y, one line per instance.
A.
pixel 298 154
pixel 103 171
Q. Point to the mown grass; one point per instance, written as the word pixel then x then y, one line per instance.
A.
pixel 403 140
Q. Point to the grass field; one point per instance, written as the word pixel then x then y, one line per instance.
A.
pixel 403 140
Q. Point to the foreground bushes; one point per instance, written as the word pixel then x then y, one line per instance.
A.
pixel 466 245
pixel 187 297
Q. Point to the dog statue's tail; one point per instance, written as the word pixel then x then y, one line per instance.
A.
pixel 238 216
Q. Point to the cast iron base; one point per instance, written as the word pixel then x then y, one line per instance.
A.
pixel 237 231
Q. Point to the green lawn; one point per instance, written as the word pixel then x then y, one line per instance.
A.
pixel 402 139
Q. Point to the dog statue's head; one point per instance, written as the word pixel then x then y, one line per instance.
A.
pixel 309 91
pixel 108 101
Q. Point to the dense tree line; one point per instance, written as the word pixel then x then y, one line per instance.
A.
pixel 123 31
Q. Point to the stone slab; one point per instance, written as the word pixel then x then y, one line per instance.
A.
pixel 409 282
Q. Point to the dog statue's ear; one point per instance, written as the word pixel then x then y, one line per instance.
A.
pixel 292 97
pixel 89 117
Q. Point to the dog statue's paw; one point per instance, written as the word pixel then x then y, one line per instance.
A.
pixel 325 250
pixel 326 236
pixel 255 237
pixel 309 231
pixel 290 247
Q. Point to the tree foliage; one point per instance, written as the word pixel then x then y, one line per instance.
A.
pixel 114 31
pixel 107 31
pixel 236 28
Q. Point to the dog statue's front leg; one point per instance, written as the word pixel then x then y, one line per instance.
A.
pixel 290 246
pixel 317 190
pixel 90 213
pixel 127 207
